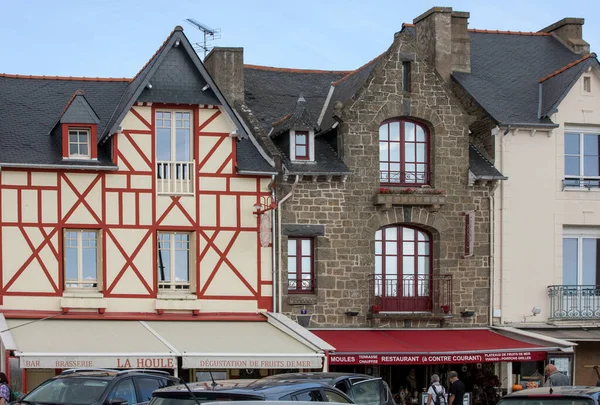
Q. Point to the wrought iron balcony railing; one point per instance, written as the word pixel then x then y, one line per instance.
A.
pixel 421 293
pixel 304 286
pixel 572 302
pixel 397 178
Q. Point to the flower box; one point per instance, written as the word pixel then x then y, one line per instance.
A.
pixel 388 200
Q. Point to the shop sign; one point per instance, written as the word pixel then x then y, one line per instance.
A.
pixel 97 362
pixel 336 359
pixel 251 362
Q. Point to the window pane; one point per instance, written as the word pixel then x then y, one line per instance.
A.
pixel 183 152
pixel 378 265
pixel 572 144
pixel 420 134
pixel 409 132
pixel 590 166
pixel 163 144
pixel 569 261
pixel 292 266
pixel 395 152
pixel 378 247
pixel 408 265
pixel 409 152
pixel 306 247
pixel 572 165
pixel 383 132
pixel 422 265
pixel 72 136
pixel 391 233
pixel 291 247
pixel 590 261
pixel 89 261
pixel 182 265
pixel 391 248
pixel 391 265
pixel 378 235
pixel 394 131
pixel 164 265
pixel 423 248
pixel 71 263
pixel 383 151
pixel 147 386
pixel 300 151
pixel 300 139
pixel 306 264
pixel 590 145
pixel 73 149
pixel 83 149
pixel 408 234
pixel 420 152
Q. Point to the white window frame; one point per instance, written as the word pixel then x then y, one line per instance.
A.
pixel 80 283
pixel 175 176
pixel 78 131
pixel 174 286
pixel 587 78
pixel 174 132
pixel 580 233
pixel 311 146
pixel 581 131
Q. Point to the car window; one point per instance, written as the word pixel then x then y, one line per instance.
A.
pixel 333 396
pixel 342 386
pixel 367 392
pixel 147 385
pixel 125 390
pixel 72 390
pixel 312 395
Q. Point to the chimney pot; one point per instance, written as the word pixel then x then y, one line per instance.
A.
pixel 570 32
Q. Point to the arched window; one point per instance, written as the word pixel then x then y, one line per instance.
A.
pixel 403 153
pixel 403 268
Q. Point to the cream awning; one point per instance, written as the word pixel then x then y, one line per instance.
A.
pixel 59 343
pixel 231 344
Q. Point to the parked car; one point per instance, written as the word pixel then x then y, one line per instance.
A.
pixel 363 389
pixel 247 390
pixel 99 387
pixel 553 396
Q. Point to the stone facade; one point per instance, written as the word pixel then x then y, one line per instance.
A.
pixel 345 255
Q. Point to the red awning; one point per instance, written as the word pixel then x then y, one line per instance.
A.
pixel 436 346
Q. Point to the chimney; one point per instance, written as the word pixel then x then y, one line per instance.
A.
pixel 570 32
pixel 226 66
pixel 443 40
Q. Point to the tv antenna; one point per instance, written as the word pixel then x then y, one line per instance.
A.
pixel 209 35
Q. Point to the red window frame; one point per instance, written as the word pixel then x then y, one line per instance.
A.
pixel 300 288
pixel 93 139
pixel 405 177
pixel 306 144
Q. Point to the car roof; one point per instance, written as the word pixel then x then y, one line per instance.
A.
pixel 316 376
pixel 261 386
pixel 556 391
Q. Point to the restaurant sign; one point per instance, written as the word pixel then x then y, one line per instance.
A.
pixel 251 362
pixel 97 362
pixel 337 359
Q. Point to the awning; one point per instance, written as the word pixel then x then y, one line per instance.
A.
pixel 273 342
pixel 430 346
pixel 236 345
pixel 59 343
pixel 589 334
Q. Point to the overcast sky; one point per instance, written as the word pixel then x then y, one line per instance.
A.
pixel 115 38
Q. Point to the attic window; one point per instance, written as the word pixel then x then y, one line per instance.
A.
pixel 302 144
pixel 79 143
pixel 587 84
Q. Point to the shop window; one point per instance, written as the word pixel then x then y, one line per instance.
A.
pixel 301 275
pixel 81 259
pixel 403 154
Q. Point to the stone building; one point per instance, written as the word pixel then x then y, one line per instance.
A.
pixel 384 201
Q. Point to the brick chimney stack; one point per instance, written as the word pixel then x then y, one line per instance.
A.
pixel 226 66
pixel 570 32
pixel 443 40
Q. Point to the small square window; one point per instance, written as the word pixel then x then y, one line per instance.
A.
pixel 81 259
pixel 587 84
pixel 79 143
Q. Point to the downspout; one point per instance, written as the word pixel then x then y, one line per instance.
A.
pixel 501 224
pixel 491 207
pixel 279 204
pixel 273 237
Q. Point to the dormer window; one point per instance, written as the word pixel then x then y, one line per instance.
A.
pixel 79 143
pixel 302 144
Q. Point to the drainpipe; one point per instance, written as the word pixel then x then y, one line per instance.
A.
pixel 273 237
pixel 491 207
pixel 279 204
pixel 501 224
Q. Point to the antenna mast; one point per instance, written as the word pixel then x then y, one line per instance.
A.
pixel 209 35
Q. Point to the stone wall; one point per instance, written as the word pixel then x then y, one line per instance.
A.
pixel 345 254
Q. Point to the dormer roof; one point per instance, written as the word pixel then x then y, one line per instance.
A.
pixel 300 118
pixel 79 111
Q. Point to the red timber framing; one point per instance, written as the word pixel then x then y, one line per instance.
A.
pixel 134 150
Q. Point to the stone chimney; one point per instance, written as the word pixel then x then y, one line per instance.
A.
pixel 443 40
pixel 226 66
pixel 570 32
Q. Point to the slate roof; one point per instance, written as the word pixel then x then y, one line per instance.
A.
pixel 506 70
pixel 79 111
pixel 326 162
pixel 300 118
pixel 249 160
pixel 481 167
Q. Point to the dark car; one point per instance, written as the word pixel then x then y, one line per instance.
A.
pixel 553 396
pixel 99 387
pixel 361 388
pixel 247 390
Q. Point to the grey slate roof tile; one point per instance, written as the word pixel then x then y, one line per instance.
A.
pixel 481 167
pixel 79 111
pixel 326 161
pixel 249 159
pixel 506 70
pixel 300 118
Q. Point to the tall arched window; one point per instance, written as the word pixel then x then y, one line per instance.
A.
pixel 403 153
pixel 403 268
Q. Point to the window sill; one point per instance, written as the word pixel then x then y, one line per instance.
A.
pixel 386 201
pixel 295 161
pixel 81 300
pixel 176 296
pixel 302 298
pixel 80 159
pixel 177 302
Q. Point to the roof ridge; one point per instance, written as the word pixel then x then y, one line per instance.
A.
pixel 357 70
pixel 279 121
pixel 569 66
pixel 292 70
pixel 525 33
pixel 70 78
pixel 177 28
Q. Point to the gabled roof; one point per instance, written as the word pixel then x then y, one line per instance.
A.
pixel 79 111
pixel 555 86
pixel 506 68
pixel 481 167
pixel 139 84
pixel 300 118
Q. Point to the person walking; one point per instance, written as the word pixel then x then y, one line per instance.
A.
pixel 4 390
pixel 457 389
pixel 554 378
pixel 436 392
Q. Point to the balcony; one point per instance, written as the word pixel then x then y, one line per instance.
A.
pixel 574 302
pixel 175 177
pixel 419 195
pixel 424 294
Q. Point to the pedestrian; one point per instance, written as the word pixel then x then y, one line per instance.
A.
pixel 436 392
pixel 554 378
pixel 4 389
pixel 457 389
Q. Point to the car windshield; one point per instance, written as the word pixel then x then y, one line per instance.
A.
pixel 203 397
pixel 80 391
pixel 547 401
